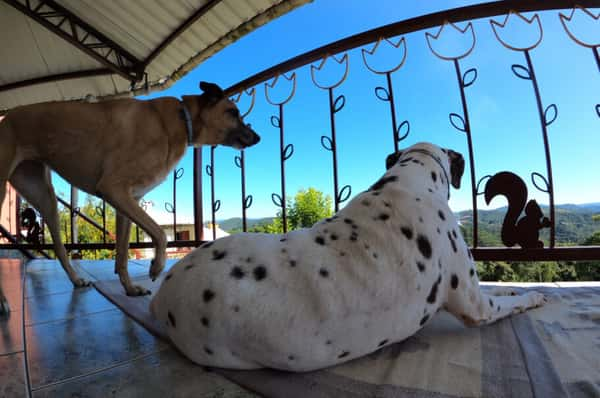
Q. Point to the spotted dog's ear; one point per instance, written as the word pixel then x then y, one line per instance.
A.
pixel 392 159
pixel 457 167
pixel 212 90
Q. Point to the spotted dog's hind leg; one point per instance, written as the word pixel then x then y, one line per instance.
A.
pixel 474 308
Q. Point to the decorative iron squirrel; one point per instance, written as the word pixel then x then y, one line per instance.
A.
pixel 29 221
pixel 525 231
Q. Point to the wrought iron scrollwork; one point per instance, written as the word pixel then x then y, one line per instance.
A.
pixel 547 115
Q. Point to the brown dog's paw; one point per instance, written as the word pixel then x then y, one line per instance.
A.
pixel 136 290
pixel 156 267
pixel 80 282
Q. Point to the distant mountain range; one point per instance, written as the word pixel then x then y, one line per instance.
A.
pixel 574 223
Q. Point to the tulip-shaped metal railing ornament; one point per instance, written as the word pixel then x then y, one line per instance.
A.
pixel 401 131
pixel 215 204
pixel 240 160
pixel 172 207
pixel 285 151
pixel 461 122
pixel 330 143
pixel 594 46
pixel 547 115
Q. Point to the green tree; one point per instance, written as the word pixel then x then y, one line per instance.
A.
pixel 308 207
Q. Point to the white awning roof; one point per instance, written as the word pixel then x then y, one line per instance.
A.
pixel 57 50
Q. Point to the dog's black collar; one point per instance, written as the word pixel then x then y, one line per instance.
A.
pixel 437 160
pixel 185 115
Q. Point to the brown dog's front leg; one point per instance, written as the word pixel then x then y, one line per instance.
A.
pixel 4 308
pixel 123 231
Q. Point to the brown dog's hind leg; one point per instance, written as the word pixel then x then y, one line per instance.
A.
pixel 123 231
pixel 32 180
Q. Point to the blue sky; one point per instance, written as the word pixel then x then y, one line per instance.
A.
pixel 504 122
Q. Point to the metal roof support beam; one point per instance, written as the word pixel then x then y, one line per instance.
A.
pixel 80 34
pixel 55 78
pixel 180 29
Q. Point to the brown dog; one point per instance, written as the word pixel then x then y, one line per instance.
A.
pixel 118 150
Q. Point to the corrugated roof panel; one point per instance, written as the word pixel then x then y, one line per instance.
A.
pixel 139 27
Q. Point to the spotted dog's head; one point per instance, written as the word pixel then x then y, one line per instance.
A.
pixel 216 120
pixel 451 163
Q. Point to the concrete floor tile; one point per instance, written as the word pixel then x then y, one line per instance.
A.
pixel 12 376
pixel 11 333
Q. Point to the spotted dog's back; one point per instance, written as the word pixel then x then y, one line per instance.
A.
pixel 369 276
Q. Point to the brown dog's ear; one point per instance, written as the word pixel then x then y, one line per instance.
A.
pixel 212 90
pixel 457 167
pixel 392 159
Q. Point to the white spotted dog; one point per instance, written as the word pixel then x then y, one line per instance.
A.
pixel 371 275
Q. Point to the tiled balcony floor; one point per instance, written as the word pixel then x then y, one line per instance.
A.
pixel 65 342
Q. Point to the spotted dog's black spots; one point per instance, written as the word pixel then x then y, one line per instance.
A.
pixel 249 259
pixel 438 231
pixel 383 181
pixel 320 240
pixel 348 221
pixel 491 303
pixel 171 319
pixel 445 151
pixel 323 272
pixel 454 234
pixel 342 254
pixel 168 277
pixel 384 216
pixel 452 242
pixel 424 319
pixel 260 273
pixel 421 219
pixel 498 309
pixel 205 321
pixel 187 267
pixel 353 236
pixel 328 219
pixel 433 176
pixel 354 226
pixel 344 354
pixel 386 204
pixel 471 272
pixel 284 250
pixel 208 295
pixel 454 281
pixel 433 293
pixel 367 246
pixel 418 199
pixel 421 266
pixel 292 263
pixel 375 193
pixel 365 202
pixel 415 161
pixel 430 190
pixel 207 244
pixel 333 237
pixel 407 231
pixel 424 245
pixel 375 255
pixel 236 308
pixel 440 263
pixel 326 230
pixel 282 239
pixel 208 350
pixel 219 255
pixel 291 357
pixel 382 343
pixel 470 254
pixel 328 342
pixel 442 215
pixel 237 272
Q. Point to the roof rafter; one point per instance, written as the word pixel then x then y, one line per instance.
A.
pixel 82 35
pixel 57 77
